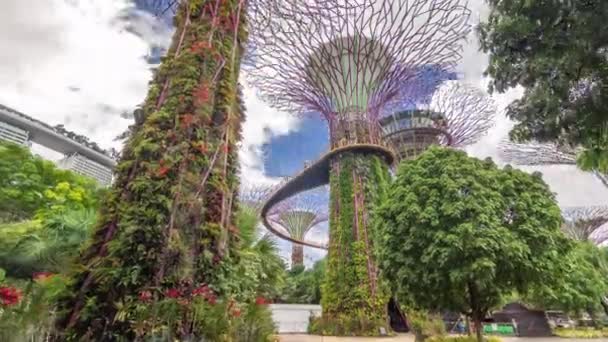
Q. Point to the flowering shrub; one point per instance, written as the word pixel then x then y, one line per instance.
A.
pixel 10 296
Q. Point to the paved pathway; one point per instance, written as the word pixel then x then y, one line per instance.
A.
pixel 410 338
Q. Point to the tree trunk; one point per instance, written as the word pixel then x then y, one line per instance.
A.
pixel 468 323
pixel 478 329
pixel 297 255
pixel 350 263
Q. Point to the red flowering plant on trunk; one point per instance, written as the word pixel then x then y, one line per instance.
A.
pixel 10 296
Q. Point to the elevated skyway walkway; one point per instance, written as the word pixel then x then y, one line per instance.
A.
pixel 311 177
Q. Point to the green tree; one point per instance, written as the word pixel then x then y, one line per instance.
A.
pixel 304 286
pixel 29 183
pixel 580 287
pixel 458 233
pixel 557 51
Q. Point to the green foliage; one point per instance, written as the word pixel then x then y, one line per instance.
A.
pixel 583 282
pixel 354 297
pixel 304 286
pixel 29 183
pixel 425 325
pixel 460 339
pixel 47 245
pixel 581 333
pixel 556 50
pixel 459 233
pixel 259 271
pixel 33 318
pixel 255 325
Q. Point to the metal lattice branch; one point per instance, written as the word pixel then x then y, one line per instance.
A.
pixel 535 153
pixel 584 223
pixel 299 214
pixel 468 113
pixel 345 57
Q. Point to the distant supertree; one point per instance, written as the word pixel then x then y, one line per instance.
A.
pixel 349 60
pixel 457 115
pixel 583 223
pixel 299 215
pixel 536 153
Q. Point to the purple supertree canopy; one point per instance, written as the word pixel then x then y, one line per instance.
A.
pixel 351 58
pixel 584 223
pixel 299 214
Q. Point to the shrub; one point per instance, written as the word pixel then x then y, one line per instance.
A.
pixel 460 339
pixel 424 325
pixel 347 325
pixel 580 333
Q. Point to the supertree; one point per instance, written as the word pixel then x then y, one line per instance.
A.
pixel 456 115
pixel 348 60
pixel 536 153
pixel 584 223
pixel 297 216
pixel 165 228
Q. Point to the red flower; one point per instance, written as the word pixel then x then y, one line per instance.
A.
pixel 162 171
pixel 202 290
pixel 187 120
pixel 41 275
pixel 261 301
pixel 173 293
pixel 201 95
pixel 145 296
pixel 10 296
pixel 212 299
pixel 236 313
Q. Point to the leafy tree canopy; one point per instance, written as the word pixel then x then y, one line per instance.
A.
pixel 557 50
pixel 29 183
pixel 304 286
pixel 582 284
pixel 458 233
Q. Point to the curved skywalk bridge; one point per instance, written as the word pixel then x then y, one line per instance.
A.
pixel 311 177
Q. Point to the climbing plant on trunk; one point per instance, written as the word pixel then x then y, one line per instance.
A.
pixel 166 226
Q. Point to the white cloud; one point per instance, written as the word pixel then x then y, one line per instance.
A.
pixel 81 63
pixel 72 62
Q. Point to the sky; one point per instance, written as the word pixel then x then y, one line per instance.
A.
pixel 84 63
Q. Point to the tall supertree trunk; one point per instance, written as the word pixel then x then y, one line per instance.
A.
pixel 297 255
pixel 166 223
pixel 353 295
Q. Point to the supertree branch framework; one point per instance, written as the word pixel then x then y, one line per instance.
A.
pixel 584 223
pixel 349 60
pixel 457 115
pixel 536 153
pixel 297 216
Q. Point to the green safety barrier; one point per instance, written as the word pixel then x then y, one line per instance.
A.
pixel 499 329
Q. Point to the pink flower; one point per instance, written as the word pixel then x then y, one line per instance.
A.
pixel 145 296
pixel 10 296
pixel 37 276
pixel 173 293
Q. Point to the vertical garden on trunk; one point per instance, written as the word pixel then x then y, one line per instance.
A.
pixel 354 297
pixel 165 229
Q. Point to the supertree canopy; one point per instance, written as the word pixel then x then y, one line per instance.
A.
pixel 349 60
pixel 536 153
pixel 456 115
pixel 297 216
pixel 584 223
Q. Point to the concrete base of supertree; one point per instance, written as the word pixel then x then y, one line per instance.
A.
pixel 354 299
